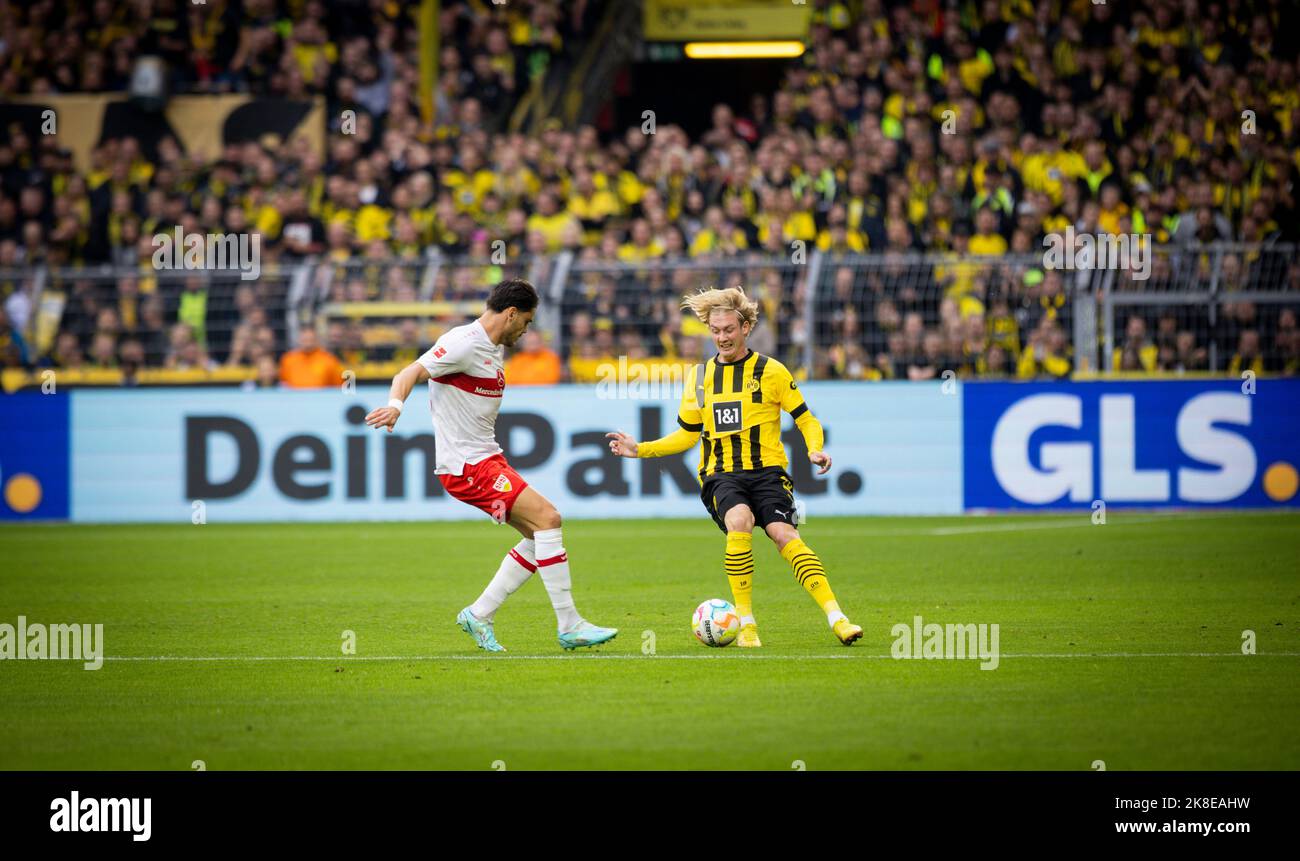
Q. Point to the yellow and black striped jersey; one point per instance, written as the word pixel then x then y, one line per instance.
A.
pixel 734 410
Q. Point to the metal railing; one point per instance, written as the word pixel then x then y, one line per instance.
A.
pixel 1215 300
pixel 1215 309
pixel 605 309
pixel 160 317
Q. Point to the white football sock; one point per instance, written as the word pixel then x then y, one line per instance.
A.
pixel 517 566
pixel 553 567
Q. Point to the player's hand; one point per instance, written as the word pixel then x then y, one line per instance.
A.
pixel 384 417
pixel 622 444
pixel 822 459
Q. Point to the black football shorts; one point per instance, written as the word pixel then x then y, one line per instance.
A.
pixel 768 492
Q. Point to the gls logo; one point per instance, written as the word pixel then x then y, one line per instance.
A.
pixel 1228 457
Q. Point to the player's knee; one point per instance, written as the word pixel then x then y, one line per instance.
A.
pixel 781 534
pixel 549 518
pixel 739 519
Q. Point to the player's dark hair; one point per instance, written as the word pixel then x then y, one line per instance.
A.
pixel 513 293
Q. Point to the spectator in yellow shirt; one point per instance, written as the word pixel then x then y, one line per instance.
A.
pixel 715 235
pixel 1113 210
pixel 643 245
pixel 1137 346
pixel 591 205
pixel 1247 357
pixel 550 221
pixel 781 212
pixel 1046 355
pixel 987 240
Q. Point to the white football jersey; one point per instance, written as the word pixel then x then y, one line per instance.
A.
pixel 468 378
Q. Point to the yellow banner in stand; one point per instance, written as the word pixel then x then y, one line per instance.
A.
pixel 680 20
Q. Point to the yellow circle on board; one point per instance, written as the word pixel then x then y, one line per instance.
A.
pixel 23 493
pixel 1281 481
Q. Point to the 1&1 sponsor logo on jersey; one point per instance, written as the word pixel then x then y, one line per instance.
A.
pixel 1139 444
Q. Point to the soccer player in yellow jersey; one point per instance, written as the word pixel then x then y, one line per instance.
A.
pixel 735 409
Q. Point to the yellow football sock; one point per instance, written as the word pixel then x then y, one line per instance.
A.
pixel 740 573
pixel 811 575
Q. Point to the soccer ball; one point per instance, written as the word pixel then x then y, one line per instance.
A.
pixel 715 622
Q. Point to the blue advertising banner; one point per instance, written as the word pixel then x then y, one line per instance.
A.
pixel 234 455
pixel 34 456
pixel 164 455
pixel 1133 444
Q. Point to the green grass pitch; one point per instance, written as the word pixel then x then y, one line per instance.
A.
pixel 1120 642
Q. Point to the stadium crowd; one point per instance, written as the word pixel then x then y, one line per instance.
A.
pixel 968 128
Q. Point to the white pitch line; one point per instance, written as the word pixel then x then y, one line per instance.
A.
pixel 1083 520
pixel 705 657
pixel 1016 527
pixel 829 526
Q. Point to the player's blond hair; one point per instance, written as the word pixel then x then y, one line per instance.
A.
pixel 705 302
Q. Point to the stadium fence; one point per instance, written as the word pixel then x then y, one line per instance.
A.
pixel 1219 309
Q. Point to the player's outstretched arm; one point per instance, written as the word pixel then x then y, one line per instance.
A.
pixel 689 422
pixel 406 380
pixel 675 443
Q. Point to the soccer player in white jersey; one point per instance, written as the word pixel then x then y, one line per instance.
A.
pixel 465 370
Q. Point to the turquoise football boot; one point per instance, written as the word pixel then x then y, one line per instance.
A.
pixel 480 631
pixel 586 634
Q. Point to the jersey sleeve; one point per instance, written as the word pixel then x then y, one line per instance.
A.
pixel 446 356
pixel 792 401
pixel 782 389
pixel 690 415
pixel 675 443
